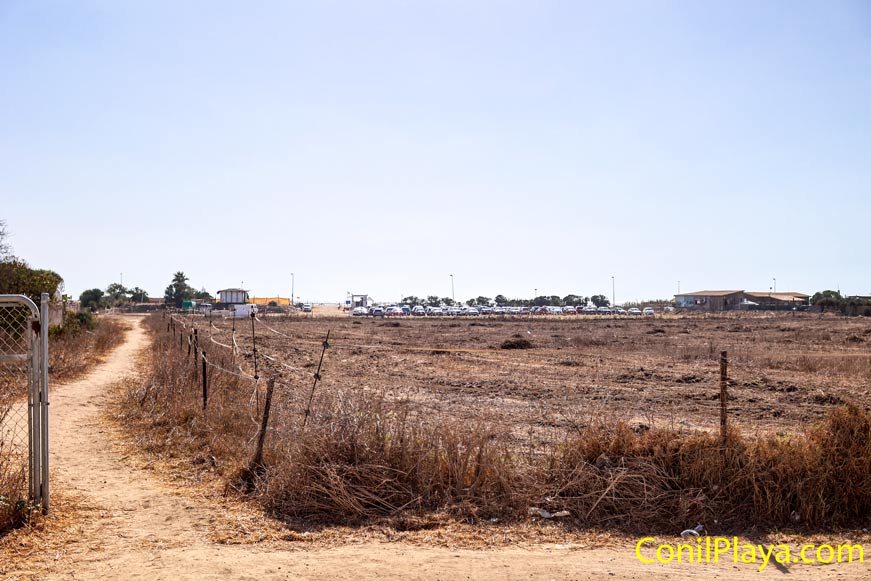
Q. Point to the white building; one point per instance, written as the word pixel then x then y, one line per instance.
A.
pixel 233 296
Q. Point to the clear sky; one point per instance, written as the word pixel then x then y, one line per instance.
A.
pixel 378 147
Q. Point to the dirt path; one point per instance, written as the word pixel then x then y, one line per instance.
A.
pixel 137 527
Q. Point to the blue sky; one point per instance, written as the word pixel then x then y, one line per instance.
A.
pixel 378 147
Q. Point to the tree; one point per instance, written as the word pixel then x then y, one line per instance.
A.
pixel 202 295
pixel 447 301
pixel 91 299
pixel 17 278
pixel 432 301
pixel 600 300
pixel 827 298
pixel 137 295
pixel 483 301
pixel 575 300
pixel 178 290
pixel 5 249
pixel 116 294
pixel 501 300
pixel 412 301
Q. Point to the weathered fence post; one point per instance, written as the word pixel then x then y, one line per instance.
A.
pixel 724 362
pixel 254 346
pixel 205 384
pixel 255 468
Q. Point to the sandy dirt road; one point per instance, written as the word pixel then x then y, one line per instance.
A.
pixel 139 527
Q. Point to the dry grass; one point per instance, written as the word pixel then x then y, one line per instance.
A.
pixel 71 355
pixel 370 452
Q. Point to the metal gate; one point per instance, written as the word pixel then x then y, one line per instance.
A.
pixel 24 393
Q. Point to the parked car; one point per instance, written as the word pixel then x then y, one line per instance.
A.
pixel 648 311
pixel 435 312
pixel 307 308
pixel 603 311
pixel 376 311
pixel 634 311
pixel 418 311
pixel 394 312
pixel 471 312
pixel 359 312
pixel 668 310
pixel 590 310
pixel 618 311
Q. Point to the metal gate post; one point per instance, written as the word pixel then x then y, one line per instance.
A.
pixel 43 406
pixel 32 378
pixel 34 398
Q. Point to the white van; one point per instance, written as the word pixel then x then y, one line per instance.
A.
pixel 241 311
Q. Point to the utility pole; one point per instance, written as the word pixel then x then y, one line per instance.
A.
pixel 613 300
pixel 291 289
pixel 453 298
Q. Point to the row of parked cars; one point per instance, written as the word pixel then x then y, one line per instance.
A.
pixel 421 311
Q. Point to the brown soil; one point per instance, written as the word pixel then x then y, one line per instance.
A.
pixel 784 371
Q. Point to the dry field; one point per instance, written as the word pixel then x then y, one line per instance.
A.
pixel 784 370
pixel 608 420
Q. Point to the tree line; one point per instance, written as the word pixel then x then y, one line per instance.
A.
pixel 117 295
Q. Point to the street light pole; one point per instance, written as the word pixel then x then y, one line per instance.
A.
pixel 291 289
pixel 775 285
pixel 613 299
pixel 453 298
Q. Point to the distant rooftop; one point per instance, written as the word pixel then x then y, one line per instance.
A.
pixel 710 293
pixel 782 296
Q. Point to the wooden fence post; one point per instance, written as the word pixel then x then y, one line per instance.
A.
pixel 255 468
pixel 724 362
pixel 205 384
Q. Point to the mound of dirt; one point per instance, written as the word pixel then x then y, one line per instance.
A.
pixel 516 344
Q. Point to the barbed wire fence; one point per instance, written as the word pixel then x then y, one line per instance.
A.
pixel 249 367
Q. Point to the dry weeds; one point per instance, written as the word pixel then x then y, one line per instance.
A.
pixel 372 451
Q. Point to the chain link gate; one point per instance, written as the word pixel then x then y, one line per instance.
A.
pixel 24 396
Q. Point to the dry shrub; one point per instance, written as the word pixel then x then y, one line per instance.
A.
pixel 13 486
pixel 516 344
pixel 664 479
pixel 365 456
